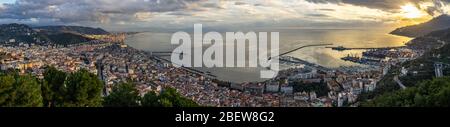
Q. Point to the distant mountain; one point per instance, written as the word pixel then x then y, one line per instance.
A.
pixel 388 92
pixel 431 41
pixel 443 35
pixel 67 38
pixel 20 33
pixel 71 29
pixel 438 23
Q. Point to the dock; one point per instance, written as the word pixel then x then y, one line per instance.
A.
pixel 296 49
pixel 295 60
pixel 342 48
pixel 361 60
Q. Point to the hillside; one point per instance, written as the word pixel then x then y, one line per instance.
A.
pixel 429 93
pixel 438 23
pixel 443 35
pixel 389 94
pixel 72 29
pixel 14 34
pixel 67 38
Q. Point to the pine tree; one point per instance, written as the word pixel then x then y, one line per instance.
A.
pixel 83 90
pixel 123 95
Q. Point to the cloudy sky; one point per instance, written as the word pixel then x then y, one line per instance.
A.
pixel 176 14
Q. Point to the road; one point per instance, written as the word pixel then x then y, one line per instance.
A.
pixel 399 82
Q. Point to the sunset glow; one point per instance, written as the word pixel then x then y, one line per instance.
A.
pixel 410 11
pixel 138 14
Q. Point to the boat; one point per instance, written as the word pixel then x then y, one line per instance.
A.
pixel 339 48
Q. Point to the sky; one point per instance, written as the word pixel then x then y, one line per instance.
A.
pixel 221 14
pixel 7 1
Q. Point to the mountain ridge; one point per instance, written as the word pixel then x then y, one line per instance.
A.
pixel 21 33
pixel 438 23
pixel 82 30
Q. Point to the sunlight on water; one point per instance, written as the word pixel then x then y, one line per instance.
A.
pixel 289 39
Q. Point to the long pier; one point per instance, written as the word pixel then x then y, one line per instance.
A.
pixel 290 59
pixel 306 46
pixel 163 53
pixel 341 48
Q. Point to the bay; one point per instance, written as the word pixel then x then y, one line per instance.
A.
pixel 289 39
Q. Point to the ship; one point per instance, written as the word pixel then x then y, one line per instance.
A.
pixel 339 48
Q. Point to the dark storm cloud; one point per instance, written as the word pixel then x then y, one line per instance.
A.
pixel 317 15
pixel 438 7
pixel 381 4
pixel 180 13
pixel 87 10
pixel 326 9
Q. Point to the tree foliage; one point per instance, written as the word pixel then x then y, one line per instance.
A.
pixel 150 99
pixel 83 90
pixel 321 88
pixel 19 91
pixel 53 88
pixel 78 89
pixel 176 100
pixel 431 93
pixel 123 95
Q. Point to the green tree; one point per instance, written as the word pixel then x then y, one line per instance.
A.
pixel 150 99
pixel 177 100
pixel 83 90
pixel 320 88
pixel 184 102
pixel 6 89
pixel 20 91
pixel 53 89
pixel 123 95
pixel 28 92
pixel 166 102
pixel 432 93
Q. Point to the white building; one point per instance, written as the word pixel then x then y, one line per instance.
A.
pixel 404 71
pixel 12 40
pixel 438 70
pixel 287 89
pixel 273 87
pixel 312 95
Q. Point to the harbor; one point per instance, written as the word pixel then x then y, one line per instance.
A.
pixel 191 70
pixel 342 48
pixel 362 60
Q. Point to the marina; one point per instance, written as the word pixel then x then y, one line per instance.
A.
pixel 361 60
pixel 290 59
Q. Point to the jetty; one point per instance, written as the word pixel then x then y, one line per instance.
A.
pixel 296 49
pixel 290 59
pixel 342 48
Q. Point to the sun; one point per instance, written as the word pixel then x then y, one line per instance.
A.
pixel 411 12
